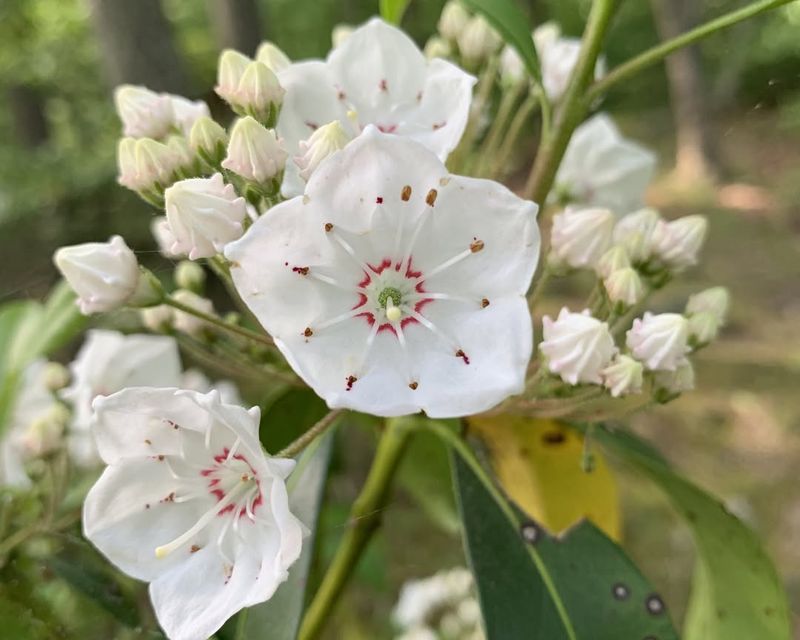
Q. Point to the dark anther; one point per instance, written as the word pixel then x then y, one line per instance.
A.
pixel 405 194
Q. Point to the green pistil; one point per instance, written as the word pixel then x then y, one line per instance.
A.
pixel 389 292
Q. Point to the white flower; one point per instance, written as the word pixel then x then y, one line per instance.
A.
pixel 230 70
pixel 453 20
pixel 164 237
pixel 107 362
pixel 144 113
pixel 615 258
pixel 208 140
pixel 145 164
pixel 187 112
pixel 323 142
pixel 558 57
pixel 602 169
pixel 677 381
pixel 478 40
pixel 624 286
pixel 190 504
pixel 196 380
pixel 578 347
pixel 623 376
pixel 421 600
pixel 259 93
pixel 105 275
pixel 635 232
pixel 377 76
pixel 340 33
pixel 392 286
pixel 581 236
pixel 659 340
pixel 254 152
pixel 272 56
pixel 678 243
pixel 186 158
pixel 186 322
pixel 204 214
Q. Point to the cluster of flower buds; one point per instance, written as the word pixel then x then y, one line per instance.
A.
pixel 467 37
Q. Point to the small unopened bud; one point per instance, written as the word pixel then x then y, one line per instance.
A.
pixel 478 40
pixel 187 112
pixel 146 165
pixel 624 287
pixel 260 95
pixel 581 236
pixel 149 291
pixel 437 47
pixel 272 56
pixel 512 69
pixel 255 153
pixel 44 435
pixel 186 322
pixel 190 275
pixel 678 243
pixel 144 113
pixel 453 20
pixel 715 300
pixel 186 160
pixel 669 384
pixel 623 376
pixel 325 140
pixel 703 329
pixel 208 140
pixel 55 376
pixel 340 33
pixel 615 258
pixel 230 70
pixel 157 319
pixel 635 231
pixel 659 340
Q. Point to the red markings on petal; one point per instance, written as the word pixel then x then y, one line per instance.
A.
pixel 460 354
pixel 379 200
pixel 303 271
pixel 351 380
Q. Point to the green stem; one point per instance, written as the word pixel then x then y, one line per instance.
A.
pixel 661 51
pixel 501 121
pixel 241 625
pixel 309 436
pixel 520 118
pixel 220 267
pixel 538 287
pixel 460 446
pixel 219 322
pixel 574 104
pixel 365 517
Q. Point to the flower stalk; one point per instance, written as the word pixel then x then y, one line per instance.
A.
pixel 325 423
pixel 219 322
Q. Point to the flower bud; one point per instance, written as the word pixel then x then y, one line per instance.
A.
pixel 437 47
pixel 126 164
pixel 659 340
pixel 271 55
pixel 340 33
pixel 624 287
pixel 260 94
pixel 157 319
pixel 255 153
pixel 146 165
pixel 325 140
pixel 208 140
pixel 668 384
pixel 190 275
pixel 678 243
pixel 478 40
pixel 635 231
pixel 512 69
pixel 623 376
pixel 144 113
pixel 187 112
pixel 186 322
pixel 186 161
pixel 204 214
pixel 55 376
pixel 230 70
pixel 578 347
pixel 453 20
pixel 703 329
pixel 44 434
pixel 615 258
pixel 103 274
pixel 715 301
pixel 164 237
pixel 581 236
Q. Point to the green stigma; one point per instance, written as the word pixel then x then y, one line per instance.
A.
pixel 390 292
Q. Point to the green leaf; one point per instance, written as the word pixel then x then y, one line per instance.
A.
pixel 736 594
pixel 279 618
pixel 392 10
pixel 525 576
pixel 513 26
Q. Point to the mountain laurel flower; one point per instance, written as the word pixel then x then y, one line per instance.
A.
pixel 635 232
pixel 577 346
pixel 624 287
pixel 623 376
pixel 255 153
pixel 453 20
pixel 190 504
pixel 612 260
pixel 107 362
pixel 707 312
pixel 669 384
pixel 204 214
pixel 377 76
pixel 659 340
pixel 273 57
pixel 187 162
pixel 392 286
pixel 104 275
pixel 209 140
pixel 144 113
pixel 230 70
pixel 581 236
pixel 602 169
pixel 186 322
pixel 478 40
pixel 160 229
pixel 326 140
pixel 187 112
pixel 678 243
pixel 260 94
pixel 146 165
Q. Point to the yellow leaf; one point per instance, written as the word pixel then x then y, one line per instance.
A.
pixel 539 465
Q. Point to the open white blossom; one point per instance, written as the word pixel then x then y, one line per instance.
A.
pixel 377 76
pixel 392 286
pixel 326 140
pixel 578 347
pixel 678 243
pixel 107 362
pixel 190 504
pixel 204 214
pixel 105 275
pixel 635 233
pixel 581 236
pixel 623 376
pixel 254 152
pixel 659 340
pixel 602 169
pixel 558 56
pixel 144 113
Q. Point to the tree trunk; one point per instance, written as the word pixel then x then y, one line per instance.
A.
pixel 137 45
pixel 236 24
pixel 26 105
pixel 695 156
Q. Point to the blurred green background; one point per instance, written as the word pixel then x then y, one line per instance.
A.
pixel 736 436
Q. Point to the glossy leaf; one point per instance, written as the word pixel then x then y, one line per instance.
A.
pixel 513 26
pixel 392 10
pixel 736 594
pixel 540 465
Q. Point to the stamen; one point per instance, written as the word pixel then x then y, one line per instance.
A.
pixel 449 263
pixel 232 451
pixel 337 319
pixel 350 251
pixel 406 261
pixel 451 344
pixel 328 280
